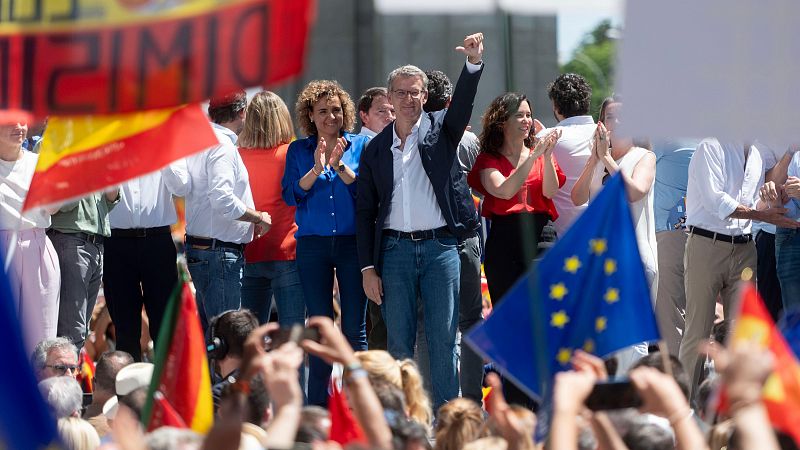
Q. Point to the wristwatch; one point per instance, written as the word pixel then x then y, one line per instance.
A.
pixel 341 167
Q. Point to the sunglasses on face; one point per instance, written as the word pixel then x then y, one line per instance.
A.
pixel 62 368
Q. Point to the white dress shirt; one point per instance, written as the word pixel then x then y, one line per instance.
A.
pixel 722 177
pixel 413 206
pixel 572 151
pixel 15 181
pixel 770 159
pixel 145 202
pixel 367 132
pixel 217 191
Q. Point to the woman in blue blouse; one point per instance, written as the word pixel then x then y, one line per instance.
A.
pixel 320 180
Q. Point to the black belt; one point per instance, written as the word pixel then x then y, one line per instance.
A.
pixel 422 235
pixel 212 243
pixel 741 239
pixel 88 237
pixel 140 232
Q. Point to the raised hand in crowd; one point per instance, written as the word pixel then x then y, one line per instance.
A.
pixel 504 420
pixel 473 48
pixel 334 348
pixel 744 370
pixel 569 394
pixel 662 396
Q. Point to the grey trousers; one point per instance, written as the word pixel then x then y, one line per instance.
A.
pixel 81 265
pixel 712 268
pixel 671 295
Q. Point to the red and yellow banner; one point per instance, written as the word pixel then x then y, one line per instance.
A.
pixel 781 394
pixel 62 57
pixel 180 391
pixel 88 153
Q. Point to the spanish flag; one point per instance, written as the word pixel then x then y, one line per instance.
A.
pixel 82 154
pixel 181 380
pixel 782 389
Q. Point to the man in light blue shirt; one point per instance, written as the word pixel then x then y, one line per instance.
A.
pixel 669 205
pixel 787 240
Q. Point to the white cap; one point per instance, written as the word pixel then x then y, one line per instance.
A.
pixel 129 378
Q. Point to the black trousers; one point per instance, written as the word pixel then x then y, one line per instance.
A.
pixel 138 271
pixel 511 248
pixel 769 288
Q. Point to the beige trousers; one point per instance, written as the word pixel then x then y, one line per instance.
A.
pixel 711 269
pixel 671 295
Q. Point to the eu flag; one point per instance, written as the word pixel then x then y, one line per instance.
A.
pixel 588 292
pixel 25 420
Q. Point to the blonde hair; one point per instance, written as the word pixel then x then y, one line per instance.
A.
pixel 267 123
pixel 460 422
pixel 311 94
pixel 380 366
pixel 487 443
pixel 78 434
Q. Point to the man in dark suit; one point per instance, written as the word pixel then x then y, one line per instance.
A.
pixel 413 206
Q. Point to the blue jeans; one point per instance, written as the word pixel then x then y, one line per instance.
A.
pixel 787 255
pixel 263 279
pixel 217 277
pixel 317 258
pixel 428 270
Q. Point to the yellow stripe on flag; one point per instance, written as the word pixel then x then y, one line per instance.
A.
pixel 71 135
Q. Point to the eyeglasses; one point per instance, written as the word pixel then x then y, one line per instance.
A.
pixel 403 93
pixel 62 368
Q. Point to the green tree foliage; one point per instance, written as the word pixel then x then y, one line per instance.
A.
pixel 594 60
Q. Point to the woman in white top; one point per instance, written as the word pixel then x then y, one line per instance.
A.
pixel 33 274
pixel 614 153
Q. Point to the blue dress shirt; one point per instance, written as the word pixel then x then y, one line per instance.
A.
pixel 329 207
pixel 672 175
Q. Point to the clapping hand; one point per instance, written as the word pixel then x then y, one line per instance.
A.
pixel 546 144
pixel 319 155
pixel 601 141
pixel 473 48
pixel 338 151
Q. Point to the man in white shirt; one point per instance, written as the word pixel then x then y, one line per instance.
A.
pixel 413 207
pixel 220 218
pixel 139 266
pixel 375 111
pixel 724 181
pixel 571 96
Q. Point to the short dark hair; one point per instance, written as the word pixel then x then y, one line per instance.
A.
pixel 227 108
pixel 571 94
pixel 391 397
pixel 258 400
pixel 365 102
pixel 107 367
pixel 655 361
pixel 440 90
pixel 234 327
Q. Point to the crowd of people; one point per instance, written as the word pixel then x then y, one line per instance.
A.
pixel 343 229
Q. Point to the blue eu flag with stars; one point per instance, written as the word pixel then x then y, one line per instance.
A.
pixel 589 292
pixel 25 420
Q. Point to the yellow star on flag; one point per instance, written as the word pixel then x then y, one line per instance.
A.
pixel 558 291
pixel 572 264
pixel 600 324
pixel 612 295
pixel 559 319
pixel 563 356
pixel 588 346
pixel 598 246
pixel 610 266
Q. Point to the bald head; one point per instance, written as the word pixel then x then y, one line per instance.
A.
pixel 107 367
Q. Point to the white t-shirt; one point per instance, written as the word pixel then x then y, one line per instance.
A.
pixel 571 151
pixel 15 181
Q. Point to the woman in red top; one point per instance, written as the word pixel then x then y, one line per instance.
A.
pixel 518 183
pixel 270 267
